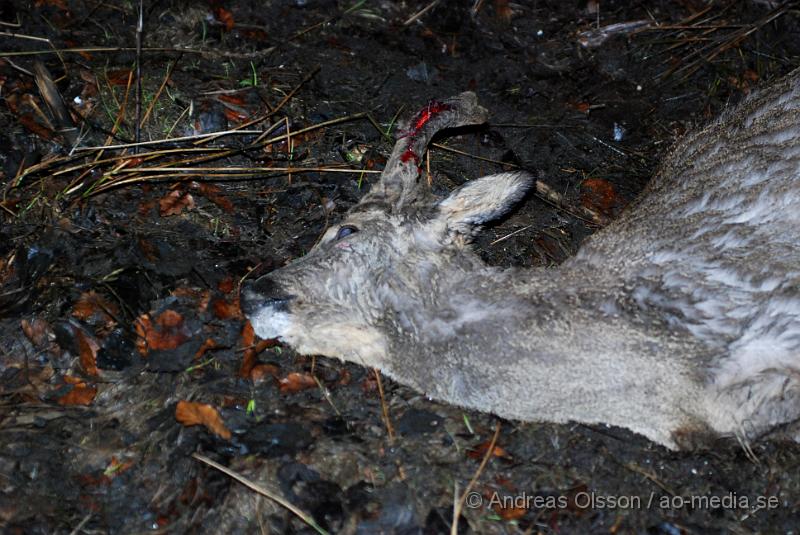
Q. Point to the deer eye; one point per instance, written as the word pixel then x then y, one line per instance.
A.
pixel 346 230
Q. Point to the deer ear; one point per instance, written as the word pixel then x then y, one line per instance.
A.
pixel 483 199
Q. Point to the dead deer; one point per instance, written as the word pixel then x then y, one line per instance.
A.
pixel 679 321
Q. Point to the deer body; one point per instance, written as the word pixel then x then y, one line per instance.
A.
pixel 680 320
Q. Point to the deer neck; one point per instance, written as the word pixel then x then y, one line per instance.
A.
pixel 560 347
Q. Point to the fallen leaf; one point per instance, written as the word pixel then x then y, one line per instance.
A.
pixel 93 306
pixel 233 99
pixel 60 4
pixel 80 394
pixel 174 202
pixel 224 309
pixel 145 207
pixel 249 357
pixel 214 194
pixel 27 120
pixel 203 297
pixel 583 107
pixel 599 195
pixel 260 372
pixel 148 250
pixel 38 331
pixel 509 513
pixel 226 285
pixel 191 413
pixel 207 345
pixel 370 384
pixel 295 382
pixel 87 348
pixel 166 332
pixel 225 17
pixel 254 34
pixel 344 377
pixel 119 77
pixel 479 451
pixel 234 116
pixel 502 10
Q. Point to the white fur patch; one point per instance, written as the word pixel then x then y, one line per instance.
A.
pixel 270 323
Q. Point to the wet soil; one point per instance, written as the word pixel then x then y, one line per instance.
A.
pixel 122 347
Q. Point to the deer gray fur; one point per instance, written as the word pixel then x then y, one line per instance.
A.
pixel 680 320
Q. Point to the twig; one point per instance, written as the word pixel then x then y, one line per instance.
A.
pixel 99 49
pixel 386 421
pixel 237 170
pixel 80 525
pixel 170 140
pixel 459 505
pixel 24 36
pixel 276 109
pixel 473 156
pixel 157 96
pixel 138 125
pixel 175 124
pixel 182 177
pixel 421 12
pixel 274 496
pixel 548 194
pixel 507 236
pixel 633 467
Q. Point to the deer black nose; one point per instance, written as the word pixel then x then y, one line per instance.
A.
pixel 261 293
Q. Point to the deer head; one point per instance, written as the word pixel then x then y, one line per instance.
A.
pixel 340 298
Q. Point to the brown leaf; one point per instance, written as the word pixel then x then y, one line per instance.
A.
pixel 192 413
pixel 174 202
pixel 93 306
pixel 148 249
pixel 599 195
pixel 119 77
pixel 145 207
pixel 238 100
pixel 214 194
pixel 80 394
pixel 225 17
pixel 295 382
pixel 31 383
pixel 503 10
pixel 27 120
pixel 203 297
pixel 583 107
pixel 60 4
pixel 260 372
pixel 344 377
pixel 88 348
pixel 234 116
pixel 38 331
pixel 226 285
pixel 370 384
pixel 249 357
pixel 511 512
pixel 74 44
pixel 166 332
pixel 479 451
pixel 207 345
pixel 224 309
pixel 254 34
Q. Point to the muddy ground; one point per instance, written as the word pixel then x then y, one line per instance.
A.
pixel 122 348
